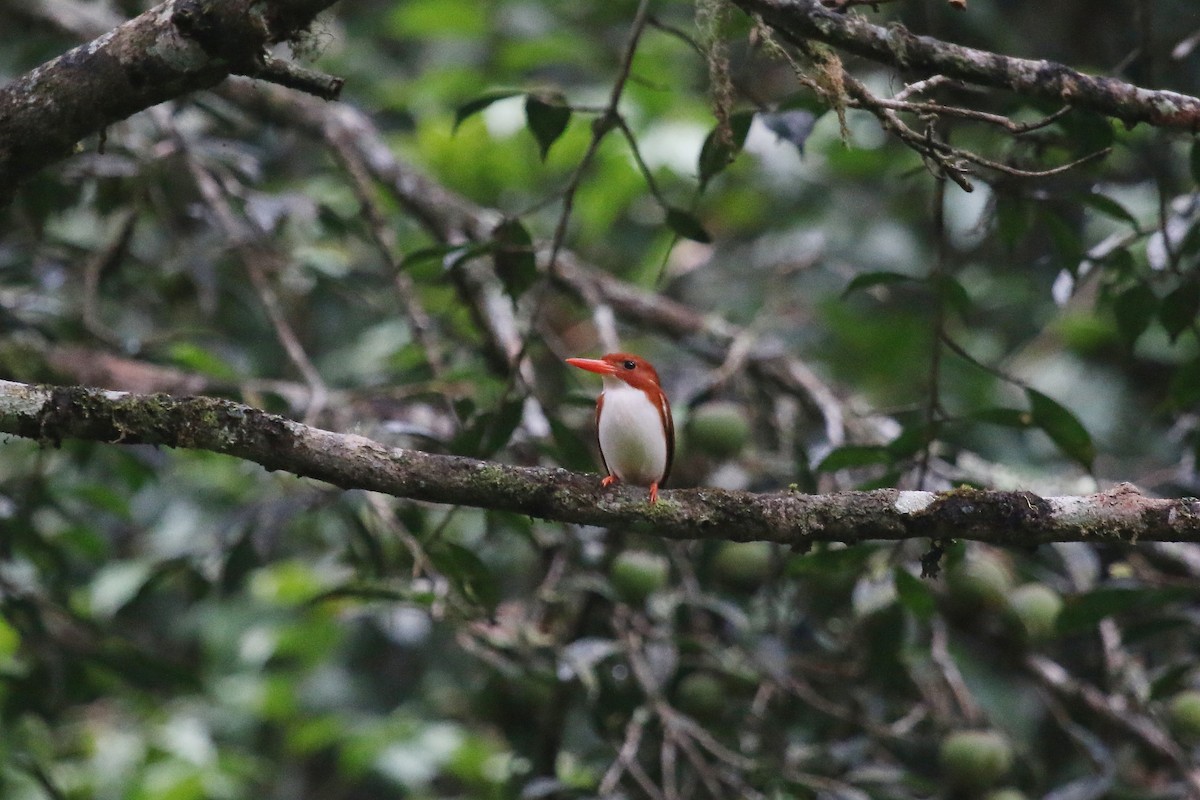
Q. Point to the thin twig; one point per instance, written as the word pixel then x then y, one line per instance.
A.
pixel 251 256
pixel 668 765
pixel 933 405
pixel 383 509
pixel 949 160
pixel 600 129
pixel 295 76
pixel 94 270
pixel 920 87
pixel 1117 713
pixel 384 239
pixel 998 120
pixel 959 351
pixel 626 760
pixel 939 653
pixel 651 184
pixel 801 21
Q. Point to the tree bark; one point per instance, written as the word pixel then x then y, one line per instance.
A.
pixel 172 49
pixel 50 414
pixel 799 20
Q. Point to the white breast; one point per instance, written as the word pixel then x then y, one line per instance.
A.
pixel 631 435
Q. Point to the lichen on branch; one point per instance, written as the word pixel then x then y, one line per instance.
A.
pixel 50 415
pixel 798 21
pixel 177 47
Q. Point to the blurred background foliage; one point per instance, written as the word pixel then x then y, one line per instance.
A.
pixel 183 625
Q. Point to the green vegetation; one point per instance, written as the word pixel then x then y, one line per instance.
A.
pixel 828 308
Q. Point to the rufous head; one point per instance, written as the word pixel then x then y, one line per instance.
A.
pixel 634 370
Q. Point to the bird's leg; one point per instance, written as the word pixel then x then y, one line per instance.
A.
pixel 654 493
pixel 609 480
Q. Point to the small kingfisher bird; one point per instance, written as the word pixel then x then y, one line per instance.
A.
pixel 633 421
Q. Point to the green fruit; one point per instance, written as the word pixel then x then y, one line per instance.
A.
pixel 975 759
pixel 743 565
pixel 636 574
pixel 1184 714
pixel 980 581
pixel 718 430
pixel 701 695
pixel 1037 607
pixel 1007 793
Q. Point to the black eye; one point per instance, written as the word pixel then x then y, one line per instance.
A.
pixel 629 365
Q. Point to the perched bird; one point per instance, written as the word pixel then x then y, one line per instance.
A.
pixel 633 421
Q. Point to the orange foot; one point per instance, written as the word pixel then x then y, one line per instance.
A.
pixel 609 480
pixel 654 493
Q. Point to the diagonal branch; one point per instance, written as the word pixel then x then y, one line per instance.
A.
pixel 51 414
pixel 450 217
pixel 1116 712
pixel 800 20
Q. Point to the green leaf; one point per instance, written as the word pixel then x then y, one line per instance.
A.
pixel 514 257
pixel 1065 239
pixel 855 455
pixel 472 107
pixel 952 293
pixel 1007 417
pixel 430 263
pixel 467 571
pixel 434 19
pixel 1120 264
pixel 1088 131
pixel 845 560
pixel 1173 679
pixel 488 431
pixel 718 151
pixel 687 225
pixel 1014 218
pixel 881 278
pixel 1063 428
pixel 1109 208
pixel 1190 245
pixel 1184 389
pixel 569 450
pixel 912 439
pixel 415 259
pixel 195 358
pixel 240 562
pixel 10 643
pixel 1134 308
pixel 1084 611
pixel 104 498
pixel 457 256
pixel 1179 308
pixel 547 116
pixel 914 594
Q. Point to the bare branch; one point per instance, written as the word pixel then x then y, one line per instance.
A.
pixel 450 217
pixel 294 76
pixel 247 240
pixel 801 20
pixel 1115 711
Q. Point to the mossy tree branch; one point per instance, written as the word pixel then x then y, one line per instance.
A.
pixel 50 414
pixel 801 20
pixel 175 48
